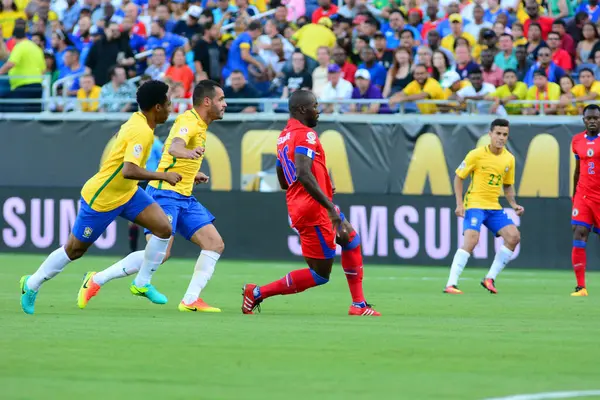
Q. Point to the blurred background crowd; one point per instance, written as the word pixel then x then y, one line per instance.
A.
pixel 486 56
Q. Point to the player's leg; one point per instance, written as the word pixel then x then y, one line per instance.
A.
pixel 352 264
pixel 196 225
pixel 501 225
pixel 89 225
pixel 472 221
pixel 318 249
pixel 582 219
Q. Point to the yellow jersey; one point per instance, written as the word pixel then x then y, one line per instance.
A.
pixel 108 189
pixel 448 41
pixel 192 130
pixel 520 91
pixel 434 92
pixel 489 172
pixel 580 91
pixel 312 36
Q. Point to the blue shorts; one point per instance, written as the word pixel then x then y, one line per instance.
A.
pixel 185 213
pixel 494 220
pixel 90 224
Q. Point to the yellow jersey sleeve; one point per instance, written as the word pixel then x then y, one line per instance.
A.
pixel 184 129
pixel 468 165
pixel 509 178
pixel 412 88
pixel 139 144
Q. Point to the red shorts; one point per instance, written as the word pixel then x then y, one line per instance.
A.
pixel 317 241
pixel 586 213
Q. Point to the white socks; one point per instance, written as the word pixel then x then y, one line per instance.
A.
pixel 52 266
pixel 124 267
pixel 502 258
pixel 458 265
pixel 154 254
pixel 203 271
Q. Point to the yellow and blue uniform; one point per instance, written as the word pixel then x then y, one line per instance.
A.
pixel 489 172
pixel 185 213
pixel 107 195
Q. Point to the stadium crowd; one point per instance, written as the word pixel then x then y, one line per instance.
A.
pixel 400 50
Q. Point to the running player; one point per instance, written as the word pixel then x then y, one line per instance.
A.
pixel 302 172
pixel 113 192
pixel 586 196
pixel 491 169
pixel 183 153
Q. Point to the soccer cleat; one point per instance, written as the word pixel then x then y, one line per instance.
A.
pixel 199 306
pixel 149 292
pixel 366 311
pixel 580 291
pixel 27 296
pixel 88 289
pixel 452 290
pixel 249 301
pixel 488 283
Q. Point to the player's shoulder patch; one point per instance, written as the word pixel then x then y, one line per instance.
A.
pixel 311 137
pixel 137 150
pixel 462 165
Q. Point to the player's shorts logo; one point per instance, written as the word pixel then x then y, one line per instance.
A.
pixel 170 217
pixel 137 150
pixel 590 152
pixel 474 221
pixel 87 232
pixel 311 138
pixel 575 212
pixel 462 165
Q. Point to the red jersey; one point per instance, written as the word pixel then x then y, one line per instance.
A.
pixel 297 138
pixel 587 152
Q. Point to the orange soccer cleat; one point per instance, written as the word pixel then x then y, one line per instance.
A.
pixel 197 306
pixel 488 283
pixel 452 290
pixel 580 291
pixel 88 289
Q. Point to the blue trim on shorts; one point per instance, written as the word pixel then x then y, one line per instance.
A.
pixel 574 222
pixel 579 244
pixel 327 252
pixel 319 280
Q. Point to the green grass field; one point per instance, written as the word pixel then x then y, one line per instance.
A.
pixel 530 338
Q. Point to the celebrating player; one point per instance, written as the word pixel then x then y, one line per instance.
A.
pixel 113 192
pixel 183 153
pixel 491 168
pixel 586 197
pixel 302 172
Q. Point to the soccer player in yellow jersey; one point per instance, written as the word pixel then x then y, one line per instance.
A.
pixel 183 153
pixel 113 192
pixel 491 168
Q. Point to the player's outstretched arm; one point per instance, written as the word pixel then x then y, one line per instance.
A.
pixel 575 177
pixel 178 150
pixel 132 171
pixel 458 194
pixel 281 178
pixel 509 193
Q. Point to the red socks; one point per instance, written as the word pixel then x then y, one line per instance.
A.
pixel 579 259
pixel 352 263
pixel 295 282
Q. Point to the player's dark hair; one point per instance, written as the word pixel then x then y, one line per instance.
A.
pixel 299 99
pixel 205 88
pixel 152 93
pixel 586 70
pixel 591 107
pixel 510 70
pixel 499 122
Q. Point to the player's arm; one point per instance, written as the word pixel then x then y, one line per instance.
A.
pixel 281 177
pixel 458 195
pixel 575 177
pixel 309 182
pixel 178 150
pixel 509 189
pixel 135 172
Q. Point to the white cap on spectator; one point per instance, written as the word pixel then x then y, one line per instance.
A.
pixel 450 78
pixel 363 73
pixel 195 12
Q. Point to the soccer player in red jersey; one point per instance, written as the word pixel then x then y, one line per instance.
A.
pixel 586 196
pixel 302 172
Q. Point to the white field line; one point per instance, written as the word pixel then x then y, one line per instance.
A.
pixel 549 395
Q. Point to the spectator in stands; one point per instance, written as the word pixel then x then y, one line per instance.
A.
pixel 444 27
pixel 523 62
pixel 415 19
pixel 384 56
pixel 591 8
pixel 477 91
pixel 340 57
pixel 566 41
pixel 51 69
pixel 9 13
pixel 478 23
pixel 494 9
pixel 159 64
pixel 298 78
pixel 434 43
pixel 423 87
pixel 163 15
pixel 239 88
pixel 432 20
pixel 452 84
pixel 559 56
pixel 542 90
pixel 366 90
pixel 136 41
pixel 25 68
pixel 491 73
pixel 400 74
pixel 207 54
pixel 275 65
pixel 320 74
pixel 71 14
pixel 110 50
pixel 87 92
pixel 179 70
pixel 39 39
pixel 60 43
pixel 587 90
pixel 424 56
pixel 240 54
pixel 575 26
pixel 532 9
pixel 585 47
pixel 500 29
pixel 264 42
pixel 407 40
pixel 360 42
pixel 534 40
pixel 72 67
pixel 464 62
pixel 511 90
pixel 396 25
pixel 567 98
pixel 337 88
pixel 312 36
pixel 518 34
pixel 376 70
pixel 489 41
pixel 132 12
pixel 189 27
pixel 560 8
pixel 596 67
pixel 159 37
pixel 506 58
pixel 456 26
pixel 544 62
pixel 115 95
pixel 326 9
pixel 441 64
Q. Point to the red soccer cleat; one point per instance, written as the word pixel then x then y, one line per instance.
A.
pixel 249 301
pixel 488 283
pixel 367 311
